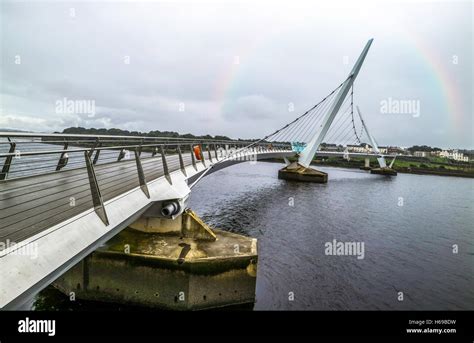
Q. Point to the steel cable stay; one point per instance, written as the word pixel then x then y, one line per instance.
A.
pixel 270 137
pixel 311 128
pixel 339 121
pixel 299 131
pixel 294 135
pixel 291 130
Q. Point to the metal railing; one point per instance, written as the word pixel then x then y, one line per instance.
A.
pixel 48 178
pixel 29 154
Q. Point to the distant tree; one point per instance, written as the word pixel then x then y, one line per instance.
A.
pixel 154 133
pixel 422 148
pixel 118 132
pixel 222 138
pixel 188 135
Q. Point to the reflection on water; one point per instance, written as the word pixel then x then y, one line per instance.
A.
pixel 408 224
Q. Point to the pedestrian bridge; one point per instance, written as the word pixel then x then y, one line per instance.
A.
pixel 62 196
pixel 52 220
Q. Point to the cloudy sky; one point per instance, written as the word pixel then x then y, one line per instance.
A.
pixel 233 68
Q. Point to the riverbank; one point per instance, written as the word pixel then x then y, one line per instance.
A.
pixel 402 165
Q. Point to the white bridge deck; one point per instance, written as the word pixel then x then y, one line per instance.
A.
pixel 51 235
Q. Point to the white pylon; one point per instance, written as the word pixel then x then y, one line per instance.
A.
pixel 381 159
pixel 307 154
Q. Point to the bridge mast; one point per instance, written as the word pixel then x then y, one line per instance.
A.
pixel 307 154
pixel 380 159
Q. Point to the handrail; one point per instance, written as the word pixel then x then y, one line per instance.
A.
pixel 19 158
pixel 131 137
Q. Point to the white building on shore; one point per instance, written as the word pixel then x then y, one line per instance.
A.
pixel 454 155
pixel 421 154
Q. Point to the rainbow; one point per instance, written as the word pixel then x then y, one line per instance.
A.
pixel 444 79
pixel 231 71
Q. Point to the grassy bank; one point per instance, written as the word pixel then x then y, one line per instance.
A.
pixel 430 166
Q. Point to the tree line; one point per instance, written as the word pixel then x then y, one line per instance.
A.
pixel 154 133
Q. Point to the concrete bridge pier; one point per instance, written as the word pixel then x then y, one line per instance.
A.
pixel 366 164
pixel 297 172
pixel 177 264
pixel 384 171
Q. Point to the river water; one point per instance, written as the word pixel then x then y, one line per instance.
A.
pixel 408 224
pixel 417 232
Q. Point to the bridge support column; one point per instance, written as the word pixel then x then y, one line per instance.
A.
pixel 366 164
pixel 297 172
pixel 384 171
pixel 178 264
pixel 187 225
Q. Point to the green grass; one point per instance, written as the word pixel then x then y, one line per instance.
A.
pixel 433 163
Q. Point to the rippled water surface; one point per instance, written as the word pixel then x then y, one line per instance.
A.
pixel 408 248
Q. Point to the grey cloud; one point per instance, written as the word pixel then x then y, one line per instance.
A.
pixel 184 53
